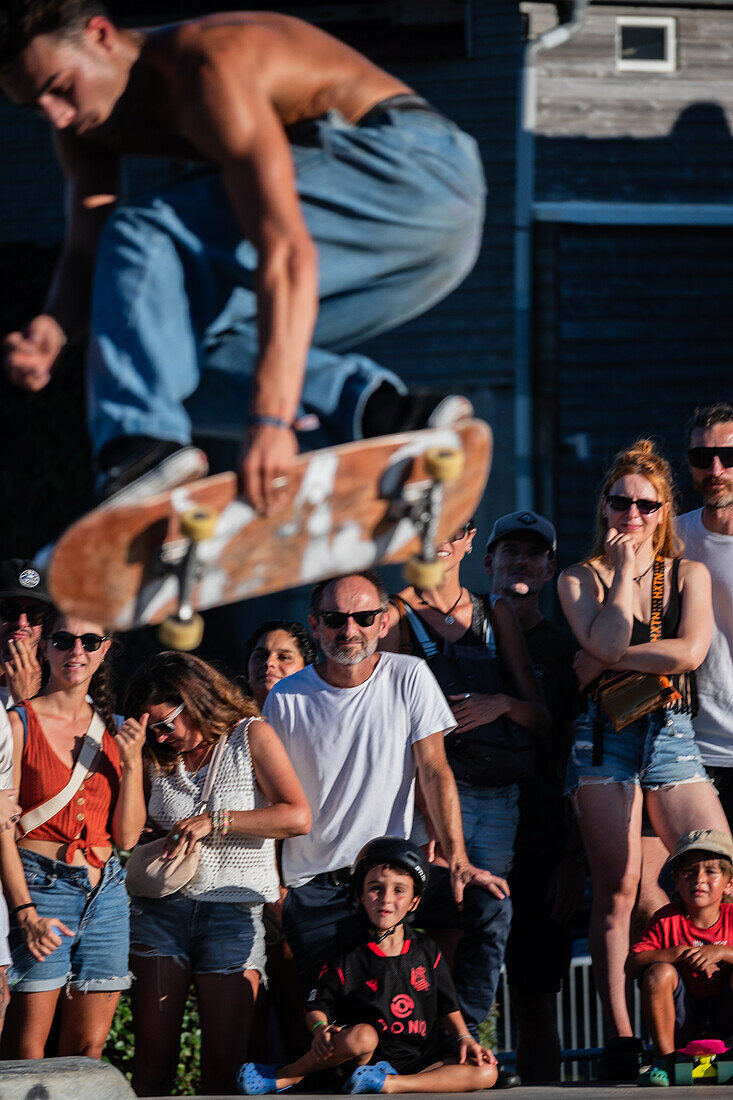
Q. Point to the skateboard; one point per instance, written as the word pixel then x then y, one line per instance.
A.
pixel 701 1062
pixel 342 509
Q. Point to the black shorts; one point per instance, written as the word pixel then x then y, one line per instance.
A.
pixel 539 949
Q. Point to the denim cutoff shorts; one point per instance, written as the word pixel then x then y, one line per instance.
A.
pixel 657 750
pixel 213 937
pixel 95 959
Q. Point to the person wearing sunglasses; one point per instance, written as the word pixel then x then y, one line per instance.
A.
pixel 708 536
pixel 211 931
pixel 476 650
pixel 653 759
pixel 360 725
pixel 24 599
pixel 61 876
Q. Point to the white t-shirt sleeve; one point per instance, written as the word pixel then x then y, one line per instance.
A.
pixel 6 751
pixel 429 711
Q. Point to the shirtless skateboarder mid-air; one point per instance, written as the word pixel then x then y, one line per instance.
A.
pixel 327 202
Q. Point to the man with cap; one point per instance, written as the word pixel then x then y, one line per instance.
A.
pixel 23 602
pixel 547 879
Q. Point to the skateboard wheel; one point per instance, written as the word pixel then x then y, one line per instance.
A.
pixel 198 524
pixel 423 574
pixel 175 633
pixel 442 464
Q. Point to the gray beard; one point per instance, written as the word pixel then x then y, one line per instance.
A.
pixel 335 652
pixel 721 502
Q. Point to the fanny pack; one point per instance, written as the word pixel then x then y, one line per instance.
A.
pixel 627 696
pixel 149 875
pixel 496 754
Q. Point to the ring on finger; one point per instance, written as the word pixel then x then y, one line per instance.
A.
pixel 279 482
pixel 176 836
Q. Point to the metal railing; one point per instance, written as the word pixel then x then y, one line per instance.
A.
pixel 579 1020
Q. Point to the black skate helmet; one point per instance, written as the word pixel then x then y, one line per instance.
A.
pixel 394 851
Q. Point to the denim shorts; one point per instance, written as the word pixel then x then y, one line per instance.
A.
pixel 657 750
pixel 95 960
pixel 214 937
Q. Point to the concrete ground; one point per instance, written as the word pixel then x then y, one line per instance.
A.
pixel 549 1092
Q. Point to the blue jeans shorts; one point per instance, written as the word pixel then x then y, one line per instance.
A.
pixel 657 750
pixel 95 960
pixel 212 937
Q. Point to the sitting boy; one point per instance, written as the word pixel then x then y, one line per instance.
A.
pixel 685 957
pixel 377 1007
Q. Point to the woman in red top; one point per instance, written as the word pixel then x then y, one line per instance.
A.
pixel 63 882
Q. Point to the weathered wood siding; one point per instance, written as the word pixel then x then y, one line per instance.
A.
pixel 633 329
pixel 635 136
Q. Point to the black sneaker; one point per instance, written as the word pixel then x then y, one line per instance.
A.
pixel 508 1079
pixel 387 411
pixel 135 467
pixel 620 1059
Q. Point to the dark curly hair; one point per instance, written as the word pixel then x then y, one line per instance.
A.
pixel 297 632
pixel 23 20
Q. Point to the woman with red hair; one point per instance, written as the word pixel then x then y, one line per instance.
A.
pixel 633 586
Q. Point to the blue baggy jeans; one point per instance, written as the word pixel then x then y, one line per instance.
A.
pixel 395 208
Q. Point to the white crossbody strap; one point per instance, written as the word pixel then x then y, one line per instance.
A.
pixel 87 755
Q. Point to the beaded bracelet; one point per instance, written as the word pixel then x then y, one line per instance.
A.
pixel 221 821
pixel 256 421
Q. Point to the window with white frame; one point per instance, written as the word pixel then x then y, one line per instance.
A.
pixel 646 43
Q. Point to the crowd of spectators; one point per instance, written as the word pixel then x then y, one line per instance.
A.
pixel 494 752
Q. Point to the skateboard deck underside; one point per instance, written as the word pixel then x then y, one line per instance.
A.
pixel 335 515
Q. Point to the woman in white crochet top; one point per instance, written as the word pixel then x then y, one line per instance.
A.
pixel 210 931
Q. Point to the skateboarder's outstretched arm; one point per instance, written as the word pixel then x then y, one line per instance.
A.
pixel 92 178
pixel 228 115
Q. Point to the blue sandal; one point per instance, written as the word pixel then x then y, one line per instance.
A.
pixel 369 1078
pixel 256 1078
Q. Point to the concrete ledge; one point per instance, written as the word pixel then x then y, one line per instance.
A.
pixel 62 1079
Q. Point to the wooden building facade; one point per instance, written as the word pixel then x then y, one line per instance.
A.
pixel 632 239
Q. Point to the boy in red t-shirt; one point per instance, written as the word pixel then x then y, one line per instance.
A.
pixel 377 1006
pixel 685 957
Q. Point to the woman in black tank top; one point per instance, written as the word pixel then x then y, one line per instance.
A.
pixel 608 603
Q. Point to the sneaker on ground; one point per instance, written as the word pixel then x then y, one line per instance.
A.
pixel 620 1059
pixel 138 467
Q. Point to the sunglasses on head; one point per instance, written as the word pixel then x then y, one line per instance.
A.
pixel 11 610
pixel 336 619
pixel 166 725
pixel 64 639
pixel 460 533
pixel 702 457
pixel 623 504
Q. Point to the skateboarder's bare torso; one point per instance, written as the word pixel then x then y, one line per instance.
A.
pixel 243 62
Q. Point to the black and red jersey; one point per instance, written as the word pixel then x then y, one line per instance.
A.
pixel 402 997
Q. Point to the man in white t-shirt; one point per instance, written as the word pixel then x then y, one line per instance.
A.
pixel 358 728
pixel 708 537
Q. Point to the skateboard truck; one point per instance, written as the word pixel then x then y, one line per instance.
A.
pixel 425 570
pixel 185 629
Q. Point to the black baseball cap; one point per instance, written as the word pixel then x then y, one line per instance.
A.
pixel 21 579
pixel 527 522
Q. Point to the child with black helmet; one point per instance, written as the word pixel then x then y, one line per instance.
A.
pixel 377 1007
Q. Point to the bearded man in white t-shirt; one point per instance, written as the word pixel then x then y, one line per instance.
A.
pixel 708 537
pixel 359 727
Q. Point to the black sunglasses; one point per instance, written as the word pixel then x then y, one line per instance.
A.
pixel 702 457
pixel 11 610
pixel 336 619
pixel 64 639
pixel 623 504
